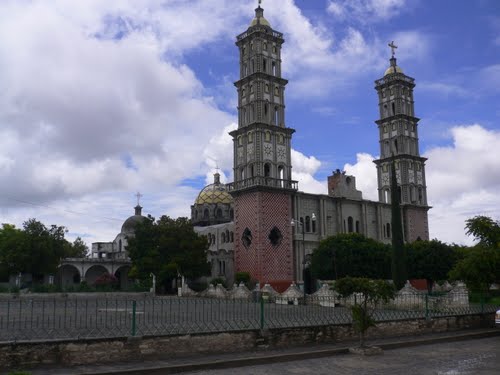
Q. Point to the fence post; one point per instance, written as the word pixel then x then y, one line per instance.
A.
pixel 261 312
pixel 482 302
pixel 426 306
pixel 134 307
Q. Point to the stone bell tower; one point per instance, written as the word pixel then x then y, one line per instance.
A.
pixel 398 137
pixel 262 167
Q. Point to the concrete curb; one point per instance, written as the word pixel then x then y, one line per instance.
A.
pixel 261 359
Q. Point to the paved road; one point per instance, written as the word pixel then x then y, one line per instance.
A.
pixel 471 357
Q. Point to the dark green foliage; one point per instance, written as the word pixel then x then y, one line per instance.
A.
pixel 351 255
pixel 35 249
pixel 431 260
pixel 484 229
pixel 168 248
pixel 77 249
pixel 478 269
pixel 198 286
pixel 242 277
pixel 372 292
pixel 398 263
pixel 218 280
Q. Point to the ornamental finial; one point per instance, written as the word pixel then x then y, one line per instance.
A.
pixel 393 47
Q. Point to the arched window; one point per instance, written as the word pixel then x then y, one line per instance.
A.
pixel 387 196
pixel 264 65
pixel 245 69
pixel 227 235
pixel 206 214
pixel 388 228
pixel 242 173
pixel 219 213
pixel 420 196
pixel 120 246
pixel 232 236
pixel 223 237
pixel 264 46
pixel 274 68
pixel 266 87
pixel 350 224
pixel 250 137
pixel 243 92
pixel 253 66
pixel 252 171
pixel 313 224
pixel 231 214
pixel 251 89
pixel 265 111
pixel 276 116
pixel 393 108
pixel 357 226
pixel 276 90
pixel 267 170
pixel 267 136
pixel 396 145
pixel 308 224
pixel 281 173
pixel 240 141
pixel 386 113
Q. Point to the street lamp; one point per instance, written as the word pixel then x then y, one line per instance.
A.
pixel 306 258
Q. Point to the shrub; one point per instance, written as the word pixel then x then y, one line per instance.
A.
pixel 218 280
pixel 106 282
pixel 198 286
pixel 242 277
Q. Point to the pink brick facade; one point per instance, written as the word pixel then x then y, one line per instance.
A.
pixel 260 212
pixel 416 224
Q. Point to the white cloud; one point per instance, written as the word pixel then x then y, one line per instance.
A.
pixel 366 10
pixel 366 175
pixel 463 180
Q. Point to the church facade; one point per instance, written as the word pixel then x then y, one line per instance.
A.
pixel 262 223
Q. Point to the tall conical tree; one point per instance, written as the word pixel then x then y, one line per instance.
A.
pixel 398 265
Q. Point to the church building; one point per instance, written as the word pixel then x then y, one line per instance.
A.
pixel 262 223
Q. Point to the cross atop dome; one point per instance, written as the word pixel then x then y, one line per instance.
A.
pixel 393 47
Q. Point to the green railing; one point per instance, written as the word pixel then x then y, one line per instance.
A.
pixel 78 318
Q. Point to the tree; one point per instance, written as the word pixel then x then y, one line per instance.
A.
pixel 430 260
pixel 484 229
pixel 478 269
pixel 398 264
pixel 368 294
pixel 34 249
pixel 352 255
pixel 77 249
pixel 167 247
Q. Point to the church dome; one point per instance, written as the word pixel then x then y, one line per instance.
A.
pixel 131 223
pixel 263 21
pixel 214 193
pixel 393 69
pixel 259 18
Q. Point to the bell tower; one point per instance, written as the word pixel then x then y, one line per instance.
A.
pixel 262 167
pixel 398 137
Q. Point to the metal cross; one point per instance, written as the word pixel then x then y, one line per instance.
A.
pixel 139 196
pixel 393 47
pixel 260 2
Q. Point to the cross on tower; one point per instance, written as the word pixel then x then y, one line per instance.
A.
pixel 393 47
pixel 139 196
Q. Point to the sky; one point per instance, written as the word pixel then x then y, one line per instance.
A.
pixel 102 99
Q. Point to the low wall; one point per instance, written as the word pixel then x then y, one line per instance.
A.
pixel 82 295
pixel 29 354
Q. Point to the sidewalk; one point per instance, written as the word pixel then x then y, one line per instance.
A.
pixel 258 356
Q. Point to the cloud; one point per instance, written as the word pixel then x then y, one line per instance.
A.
pixel 463 180
pixel 366 175
pixel 366 10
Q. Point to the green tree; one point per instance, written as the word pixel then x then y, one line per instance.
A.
pixel 77 249
pixel 398 264
pixel 13 258
pixel 369 294
pixel 352 255
pixel 484 229
pixel 430 260
pixel 168 247
pixel 478 269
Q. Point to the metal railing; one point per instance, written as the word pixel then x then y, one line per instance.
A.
pixel 24 319
pixel 263 181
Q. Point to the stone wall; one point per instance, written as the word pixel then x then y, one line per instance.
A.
pixel 28 354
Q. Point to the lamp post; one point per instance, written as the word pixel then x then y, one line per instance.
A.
pixel 306 258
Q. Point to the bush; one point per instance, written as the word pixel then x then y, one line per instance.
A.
pixel 218 280
pixel 106 283
pixel 242 277
pixel 198 286
pixel 4 289
pixel 45 288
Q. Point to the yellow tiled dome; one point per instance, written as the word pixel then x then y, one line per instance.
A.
pixel 214 193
